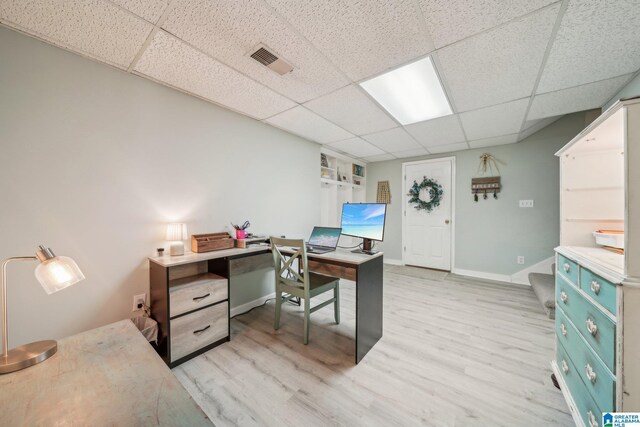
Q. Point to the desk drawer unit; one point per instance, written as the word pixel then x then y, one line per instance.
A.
pixel 586 339
pixel 196 330
pixel 192 293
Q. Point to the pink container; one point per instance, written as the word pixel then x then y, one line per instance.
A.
pixel 241 234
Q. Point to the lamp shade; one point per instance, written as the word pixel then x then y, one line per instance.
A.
pixel 57 273
pixel 177 231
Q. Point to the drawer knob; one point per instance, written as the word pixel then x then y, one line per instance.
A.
pixel 198 299
pixel 591 375
pixel 595 287
pixel 592 327
pixel 199 331
pixel 567 267
pixel 593 422
pixel 563 328
pixel 565 366
pixel 564 297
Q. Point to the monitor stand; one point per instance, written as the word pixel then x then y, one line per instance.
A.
pixel 367 244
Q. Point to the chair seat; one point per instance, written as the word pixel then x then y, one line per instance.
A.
pixel 319 283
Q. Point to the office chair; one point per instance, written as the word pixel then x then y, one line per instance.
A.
pixel 300 282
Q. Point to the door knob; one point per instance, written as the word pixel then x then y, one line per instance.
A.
pixel 446 221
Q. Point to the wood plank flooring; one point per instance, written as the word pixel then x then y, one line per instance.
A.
pixel 455 352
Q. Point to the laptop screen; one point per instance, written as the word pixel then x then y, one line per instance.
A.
pixel 325 236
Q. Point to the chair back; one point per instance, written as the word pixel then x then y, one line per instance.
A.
pixel 287 269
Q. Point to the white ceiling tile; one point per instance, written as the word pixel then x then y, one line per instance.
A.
pixel 440 131
pixel 498 120
pixel 453 20
pixel 356 147
pixel 309 125
pixel 93 27
pixel 379 158
pixel 169 60
pixel 596 40
pixel 230 30
pixel 496 140
pixel 579 98
pixel 353 110
pixel 448 148
pixel 151 10
pixel 392 140
pixel 411 153
pixel 499 65
pixel 362 37
pixel 533 126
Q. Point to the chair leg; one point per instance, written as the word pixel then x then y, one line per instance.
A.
pixel 307 314
pixel 336 304
pixel 276 322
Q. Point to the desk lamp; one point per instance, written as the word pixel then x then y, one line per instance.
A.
pixel 54 273
pixel 176 233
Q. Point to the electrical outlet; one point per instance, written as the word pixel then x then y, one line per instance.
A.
pixel 520 259
pixel 526 203
pixel 139 299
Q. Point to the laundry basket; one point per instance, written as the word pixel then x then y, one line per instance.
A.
pixel 147 327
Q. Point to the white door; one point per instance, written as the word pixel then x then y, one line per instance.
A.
pixel 427 236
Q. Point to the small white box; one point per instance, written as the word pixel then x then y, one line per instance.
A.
pixel 615 240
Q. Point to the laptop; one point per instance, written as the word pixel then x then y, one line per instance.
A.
pixel 323 240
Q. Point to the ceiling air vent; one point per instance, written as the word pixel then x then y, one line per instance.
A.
pixel 270 60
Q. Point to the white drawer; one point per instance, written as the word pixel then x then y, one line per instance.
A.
pixel 193 331
pixel 191 293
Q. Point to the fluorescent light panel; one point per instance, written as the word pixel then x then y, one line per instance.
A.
pixel 412 93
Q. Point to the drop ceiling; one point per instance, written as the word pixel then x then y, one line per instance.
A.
pixel 509 68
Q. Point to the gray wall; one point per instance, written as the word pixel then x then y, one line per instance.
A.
pixel 94 162
pixel 631 89
pixel 490 234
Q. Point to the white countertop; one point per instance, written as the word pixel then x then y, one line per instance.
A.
pixel 339 255
pixel 103 377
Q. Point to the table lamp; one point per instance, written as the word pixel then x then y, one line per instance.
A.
pixel 54 273
pixel 176 233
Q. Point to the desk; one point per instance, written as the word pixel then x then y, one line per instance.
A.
pixel 365 270
pixel 103 377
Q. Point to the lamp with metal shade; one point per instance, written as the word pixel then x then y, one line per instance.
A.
pixel 54 273
pixel 176 234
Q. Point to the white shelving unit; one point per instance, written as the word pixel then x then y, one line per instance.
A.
pixel 339 184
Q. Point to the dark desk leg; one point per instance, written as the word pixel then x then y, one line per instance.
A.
pixel 368 306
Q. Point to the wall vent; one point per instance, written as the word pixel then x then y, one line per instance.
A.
pixel 271 61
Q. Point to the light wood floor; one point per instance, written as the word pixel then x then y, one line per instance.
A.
pixel 455 352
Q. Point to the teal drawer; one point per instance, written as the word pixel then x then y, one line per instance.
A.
pixel 598 380
pixel 587 407
pixel 601 290
pixel 596 327
pixel 569 269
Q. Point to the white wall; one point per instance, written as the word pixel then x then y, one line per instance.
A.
pixel 630 90
pixel 94 162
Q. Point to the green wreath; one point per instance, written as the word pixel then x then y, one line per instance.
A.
pixel 435 192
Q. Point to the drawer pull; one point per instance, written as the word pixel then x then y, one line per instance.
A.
pixel 592 327
pixel 563 329
pixel 199 331
pixel 564 297
pixel 595 287
pixel 566 267
pixel 591 375
pixel 565 366
pixel 198 299
pixel 593 422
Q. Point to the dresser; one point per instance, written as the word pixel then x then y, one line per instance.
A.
pixel 597 327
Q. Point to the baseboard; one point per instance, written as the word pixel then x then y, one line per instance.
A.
pixel 482 275
pixel 522 276
pixel 251 304
pixel 393 261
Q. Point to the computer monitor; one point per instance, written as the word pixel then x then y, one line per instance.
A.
pixel 365 220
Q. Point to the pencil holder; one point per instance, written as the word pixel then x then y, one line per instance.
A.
pixel 241 234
